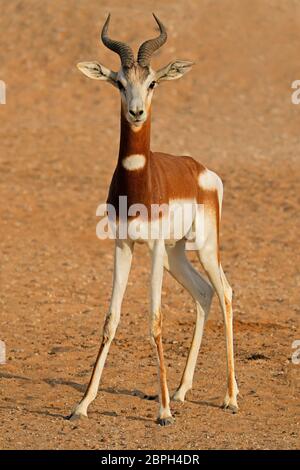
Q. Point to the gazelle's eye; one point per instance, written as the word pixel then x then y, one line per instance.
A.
pixel 120 86
pixel 152 85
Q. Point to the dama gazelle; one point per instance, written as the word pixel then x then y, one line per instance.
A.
pixel 150 178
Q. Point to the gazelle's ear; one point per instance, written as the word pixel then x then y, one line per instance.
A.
pixel 174 70
pixel 97 72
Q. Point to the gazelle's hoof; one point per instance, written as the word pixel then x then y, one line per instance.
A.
pixel 230 403
pixel 77 416
pixel 178 396
pixel 165 421
pixel 231 407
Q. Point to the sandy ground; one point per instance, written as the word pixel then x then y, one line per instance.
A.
pixel 58 145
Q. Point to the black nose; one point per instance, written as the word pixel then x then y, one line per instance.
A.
pixel 137 113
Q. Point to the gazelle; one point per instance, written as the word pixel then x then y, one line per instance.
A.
pixel 150 178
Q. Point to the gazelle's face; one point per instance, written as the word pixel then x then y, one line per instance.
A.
pixel 135 80
pixel 136 85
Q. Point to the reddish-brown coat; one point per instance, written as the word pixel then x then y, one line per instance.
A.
pixel 163 178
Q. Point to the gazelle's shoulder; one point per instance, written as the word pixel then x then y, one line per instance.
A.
pixel 207 179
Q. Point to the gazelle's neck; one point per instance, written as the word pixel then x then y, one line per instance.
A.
pixel 134 141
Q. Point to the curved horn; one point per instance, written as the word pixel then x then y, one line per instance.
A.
pixel 124 51
pixel 149 47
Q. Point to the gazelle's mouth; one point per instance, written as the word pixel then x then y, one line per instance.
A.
pixel 137 122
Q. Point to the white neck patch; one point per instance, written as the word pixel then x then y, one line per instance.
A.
pixel 134 162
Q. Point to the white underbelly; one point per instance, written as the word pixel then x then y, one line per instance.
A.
pixel 170 222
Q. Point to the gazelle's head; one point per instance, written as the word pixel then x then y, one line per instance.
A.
pixel 136 79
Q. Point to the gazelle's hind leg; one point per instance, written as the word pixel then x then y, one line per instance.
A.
pixel 230 400
pixel 209 257
pixel 181 269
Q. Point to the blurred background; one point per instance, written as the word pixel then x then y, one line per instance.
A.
pixel 59 137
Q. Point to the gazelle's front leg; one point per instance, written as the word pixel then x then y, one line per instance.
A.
pixel 158 252
pixel 123 258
